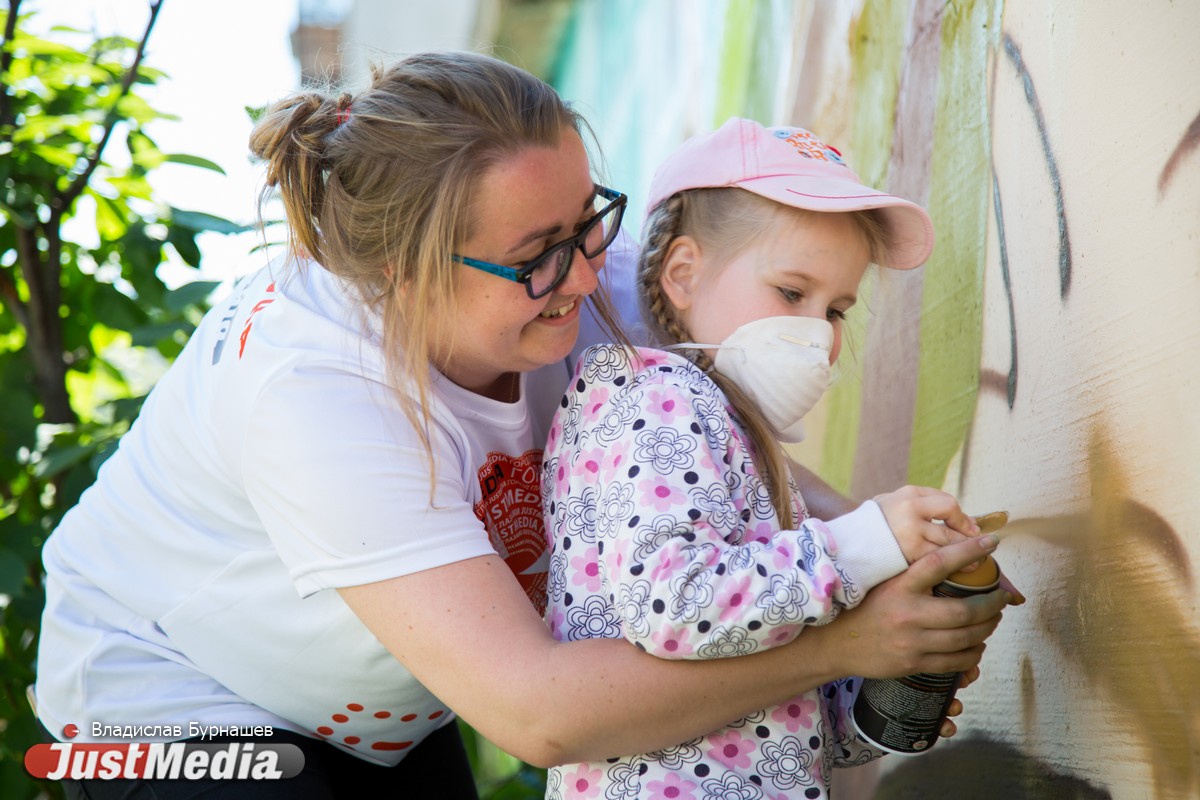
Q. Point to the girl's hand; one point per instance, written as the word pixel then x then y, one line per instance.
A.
pixel 915 515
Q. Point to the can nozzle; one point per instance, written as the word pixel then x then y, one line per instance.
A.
pixel 990 523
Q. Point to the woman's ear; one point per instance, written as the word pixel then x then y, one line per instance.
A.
pixel 681 271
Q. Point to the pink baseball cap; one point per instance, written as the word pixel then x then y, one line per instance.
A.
pixel 793 167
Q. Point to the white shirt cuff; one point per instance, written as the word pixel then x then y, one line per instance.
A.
pixel 867 551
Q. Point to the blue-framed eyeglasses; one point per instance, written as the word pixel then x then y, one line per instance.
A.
pixel 545 272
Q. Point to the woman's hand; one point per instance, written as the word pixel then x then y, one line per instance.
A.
pixel 900 628
pixel 948 728
pixel 916 513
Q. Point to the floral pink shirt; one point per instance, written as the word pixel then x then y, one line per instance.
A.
pixel 662 532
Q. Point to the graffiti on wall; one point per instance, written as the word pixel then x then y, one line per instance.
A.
pixel 1093 689
pixel 1120 609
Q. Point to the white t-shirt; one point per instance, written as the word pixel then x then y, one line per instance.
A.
pixel 193 583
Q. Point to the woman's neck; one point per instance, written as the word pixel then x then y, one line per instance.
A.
pixel 506 387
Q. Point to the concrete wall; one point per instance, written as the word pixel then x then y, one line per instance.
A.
pixel 1045 361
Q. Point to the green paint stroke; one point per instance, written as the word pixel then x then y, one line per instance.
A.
pixel 736 55
pixel 759 35
pixel 951 333
pixel 773 37
pixel 877 49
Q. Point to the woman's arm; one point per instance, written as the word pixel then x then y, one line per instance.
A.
pixel 821 499
pixel 470 635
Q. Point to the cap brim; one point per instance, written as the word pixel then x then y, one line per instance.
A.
pixel 909 229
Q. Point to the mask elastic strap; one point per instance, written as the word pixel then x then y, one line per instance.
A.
pixel 699 346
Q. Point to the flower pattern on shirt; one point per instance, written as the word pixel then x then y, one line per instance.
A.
pixel 662 532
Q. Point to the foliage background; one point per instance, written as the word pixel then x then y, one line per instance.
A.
pixel 88 321
pixel 85 327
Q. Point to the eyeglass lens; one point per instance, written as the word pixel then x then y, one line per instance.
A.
pixel 554 265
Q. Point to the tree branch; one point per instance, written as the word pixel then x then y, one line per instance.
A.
pixel 63 201
pixel 6 59
pixel 12 300
pixel 43 334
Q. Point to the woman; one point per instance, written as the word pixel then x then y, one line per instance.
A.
pixel 316 522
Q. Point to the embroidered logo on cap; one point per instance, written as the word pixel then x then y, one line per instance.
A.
pixel 808 145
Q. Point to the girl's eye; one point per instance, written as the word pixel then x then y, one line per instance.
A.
pixel 835 315
pixel 790 295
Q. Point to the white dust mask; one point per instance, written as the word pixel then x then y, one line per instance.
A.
pixel 782 364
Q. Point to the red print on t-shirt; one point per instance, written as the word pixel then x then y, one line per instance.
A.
pixel 259 306
pixel 362 724
pixel 511 511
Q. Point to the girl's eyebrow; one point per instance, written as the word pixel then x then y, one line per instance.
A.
pixel 545 233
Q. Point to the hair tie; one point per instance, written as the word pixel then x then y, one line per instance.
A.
pixel 343 115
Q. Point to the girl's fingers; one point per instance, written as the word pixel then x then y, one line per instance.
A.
pixel 937 534
pixel 934 504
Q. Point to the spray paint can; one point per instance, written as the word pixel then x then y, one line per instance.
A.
pixel 905 715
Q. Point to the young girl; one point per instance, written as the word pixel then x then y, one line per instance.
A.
pixel 673 518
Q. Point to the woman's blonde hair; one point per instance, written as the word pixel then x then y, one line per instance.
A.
pixel 378 186
pixel 724 222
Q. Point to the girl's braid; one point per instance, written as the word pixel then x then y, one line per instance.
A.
pixel 662 226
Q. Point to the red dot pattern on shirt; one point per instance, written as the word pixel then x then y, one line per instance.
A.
pixel 325 731
pixel 390 745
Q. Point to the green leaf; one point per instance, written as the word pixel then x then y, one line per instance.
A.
pixel 56 156
pixel 149 159
pixel 152 335
pixel 127 408
pixel 40 128
pixel 102 455
pixel 12 573
pixel 140 252
pixel 106 304
pixel 184 242
pixel 195 161
pixel 110 44
pixel 190 294
pixel 24 44
pixel 149 75
pixel 200 221
pixel 22 219
pixel 80 74
pixel 133 107
pixel 131 185
pixel 61 458
pixel 111 217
